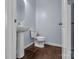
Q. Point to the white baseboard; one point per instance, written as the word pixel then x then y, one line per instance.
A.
pixel 53 44
pixel 48 43
pixel 26 46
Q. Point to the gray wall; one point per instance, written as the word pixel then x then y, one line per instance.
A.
pixel 48 17
pixel 26 14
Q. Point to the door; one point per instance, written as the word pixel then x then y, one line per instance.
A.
pixel 10 30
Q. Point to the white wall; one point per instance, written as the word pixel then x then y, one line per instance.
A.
pixel 48 17
pixel 26 14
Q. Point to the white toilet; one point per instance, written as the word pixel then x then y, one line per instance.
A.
pixel 39 41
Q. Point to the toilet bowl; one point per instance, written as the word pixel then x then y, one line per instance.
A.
pixel 39 41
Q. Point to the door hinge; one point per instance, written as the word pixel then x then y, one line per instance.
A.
pixel 14 20
pixel 60 24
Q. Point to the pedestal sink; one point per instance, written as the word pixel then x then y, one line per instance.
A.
pixel 20 36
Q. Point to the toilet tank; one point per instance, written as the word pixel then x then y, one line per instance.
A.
pixel 33 34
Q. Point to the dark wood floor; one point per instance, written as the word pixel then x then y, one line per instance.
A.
pixel 48 52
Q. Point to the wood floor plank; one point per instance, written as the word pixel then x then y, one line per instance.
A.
pixel 48 52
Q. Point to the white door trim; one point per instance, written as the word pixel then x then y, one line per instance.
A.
pixel 10 29
pixel 66 30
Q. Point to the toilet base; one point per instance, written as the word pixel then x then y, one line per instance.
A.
pixel 39 45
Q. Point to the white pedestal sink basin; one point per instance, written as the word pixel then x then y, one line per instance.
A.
pixel 20 36
pixel 21 28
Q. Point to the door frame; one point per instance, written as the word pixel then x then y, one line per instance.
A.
pixel 10 30
pixel 66 29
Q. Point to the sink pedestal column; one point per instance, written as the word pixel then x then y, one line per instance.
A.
pixel 20 43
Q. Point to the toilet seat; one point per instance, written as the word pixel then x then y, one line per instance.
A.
pixel 40 38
